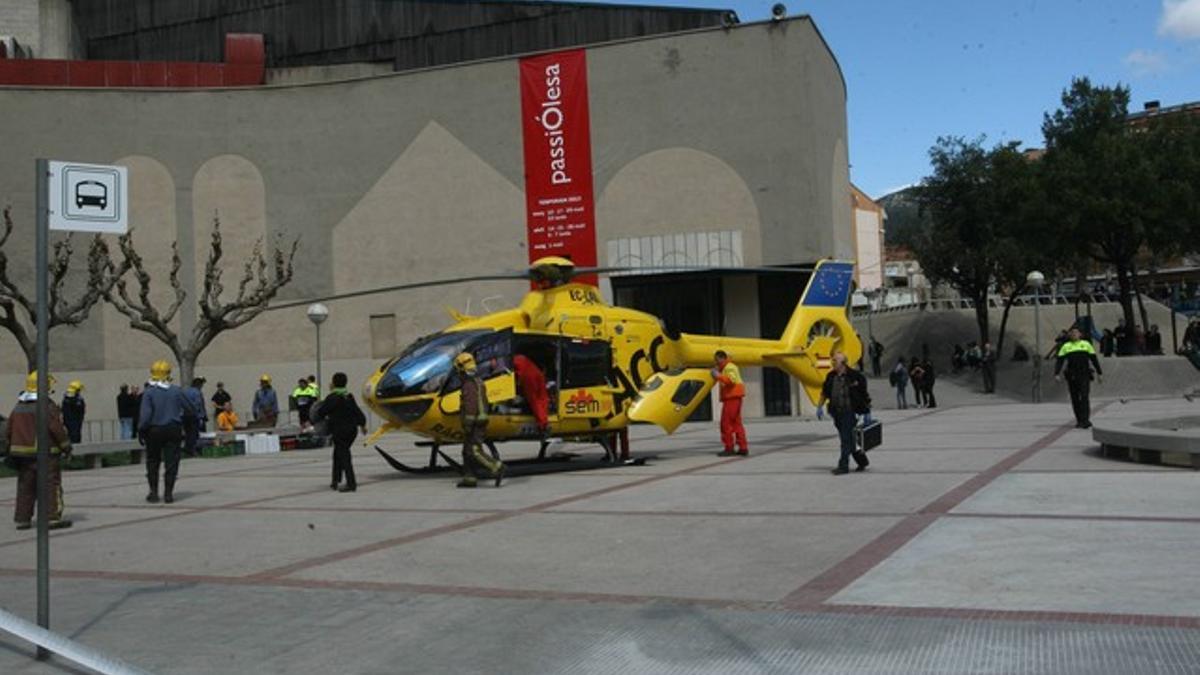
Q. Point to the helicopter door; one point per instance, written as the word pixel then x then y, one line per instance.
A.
pixel 493 357
pixel 584 389
pixel 669 397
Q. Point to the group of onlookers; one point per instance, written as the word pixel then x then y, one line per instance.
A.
pixel 166 419
pixel 921 374
pixel 1120 341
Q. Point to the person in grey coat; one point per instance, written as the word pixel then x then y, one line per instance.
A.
pixel 160 429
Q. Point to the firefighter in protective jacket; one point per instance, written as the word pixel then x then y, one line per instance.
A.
pixel 22 448
pixel 473 413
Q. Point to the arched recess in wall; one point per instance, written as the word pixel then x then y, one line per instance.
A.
pixel 231 187
pixel 842 211
pixel 678 206
pixel 152 221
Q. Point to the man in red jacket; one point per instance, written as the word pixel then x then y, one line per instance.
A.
pixel 732 391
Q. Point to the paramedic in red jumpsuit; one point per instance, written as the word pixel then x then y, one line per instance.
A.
pixel 531 384
pixel 733 391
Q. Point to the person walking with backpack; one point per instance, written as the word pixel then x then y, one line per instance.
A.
pixel 899 379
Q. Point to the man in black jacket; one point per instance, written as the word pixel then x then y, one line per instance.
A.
pixel 344 419
pixel 845 390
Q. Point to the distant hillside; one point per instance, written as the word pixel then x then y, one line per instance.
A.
pixel 904 218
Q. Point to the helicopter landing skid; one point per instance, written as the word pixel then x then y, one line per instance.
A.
pixel 551 463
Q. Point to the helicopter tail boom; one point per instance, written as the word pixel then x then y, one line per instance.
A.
pixel 818 327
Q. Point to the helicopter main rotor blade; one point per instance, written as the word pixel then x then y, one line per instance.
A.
pixel 507 276
pixel 690 268
pixel 530 274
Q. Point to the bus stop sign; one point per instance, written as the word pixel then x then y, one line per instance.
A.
pixel 88 197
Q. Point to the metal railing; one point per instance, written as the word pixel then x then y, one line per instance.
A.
pixel 65 646
pixel 105 430
pixel 993 301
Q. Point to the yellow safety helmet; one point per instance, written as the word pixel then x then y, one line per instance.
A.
pixel 31 381
pixel 265 378
pixel 74 387
pixel 160 370
pixel 465 362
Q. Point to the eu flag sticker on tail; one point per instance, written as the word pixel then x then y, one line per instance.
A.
pixel 830 285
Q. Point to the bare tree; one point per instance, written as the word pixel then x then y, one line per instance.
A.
pixel 261 280
pixel 20 307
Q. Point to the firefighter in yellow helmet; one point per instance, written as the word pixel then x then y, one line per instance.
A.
pixel 160 428
pixel 266 404
pixel 473 413
pixel 73 410
pixel 22 449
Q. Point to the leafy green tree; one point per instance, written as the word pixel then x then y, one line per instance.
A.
pixel 1120 190
pixel 981 233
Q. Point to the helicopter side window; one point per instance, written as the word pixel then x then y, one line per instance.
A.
pixel 493 356
pixel 424 367
pixel 585 363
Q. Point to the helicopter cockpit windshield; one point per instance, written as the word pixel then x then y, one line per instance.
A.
pixel 424 367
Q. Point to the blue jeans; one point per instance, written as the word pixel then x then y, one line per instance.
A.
pixel 126 428
pixel 901 397
pixel 845 423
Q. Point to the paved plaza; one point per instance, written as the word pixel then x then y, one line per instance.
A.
pixel 987 537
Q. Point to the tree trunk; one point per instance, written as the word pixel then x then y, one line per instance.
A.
pixel 1123 283
pixel 1137 293
pixel 187 367
pixel 1004 319
pixel 1080 280
pixel 981 316
pixel 30 348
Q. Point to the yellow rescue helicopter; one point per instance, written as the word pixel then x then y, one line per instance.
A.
pixel 606 366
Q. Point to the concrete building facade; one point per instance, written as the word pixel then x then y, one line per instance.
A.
pixel 725 134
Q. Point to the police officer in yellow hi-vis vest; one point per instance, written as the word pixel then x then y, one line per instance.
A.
pixel 1080 358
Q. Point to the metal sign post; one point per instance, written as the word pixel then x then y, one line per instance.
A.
pixel 73 197
pixel 42 274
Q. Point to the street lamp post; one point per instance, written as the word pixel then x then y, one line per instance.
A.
pixel 317 313
pixel 871 295
pixel 1036 279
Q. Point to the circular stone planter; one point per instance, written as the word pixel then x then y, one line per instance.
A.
pixel 1172 441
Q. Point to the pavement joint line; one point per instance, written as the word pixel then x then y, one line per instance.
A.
pixel 339 556
pixel 825 471
pixel 1151 620
pixel 902 611
pixel 1193 520
pixel 165 512
pixel 817 591
pixel 101 488
pixel 493 516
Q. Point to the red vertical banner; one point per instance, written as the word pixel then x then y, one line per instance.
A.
pixel 560 213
